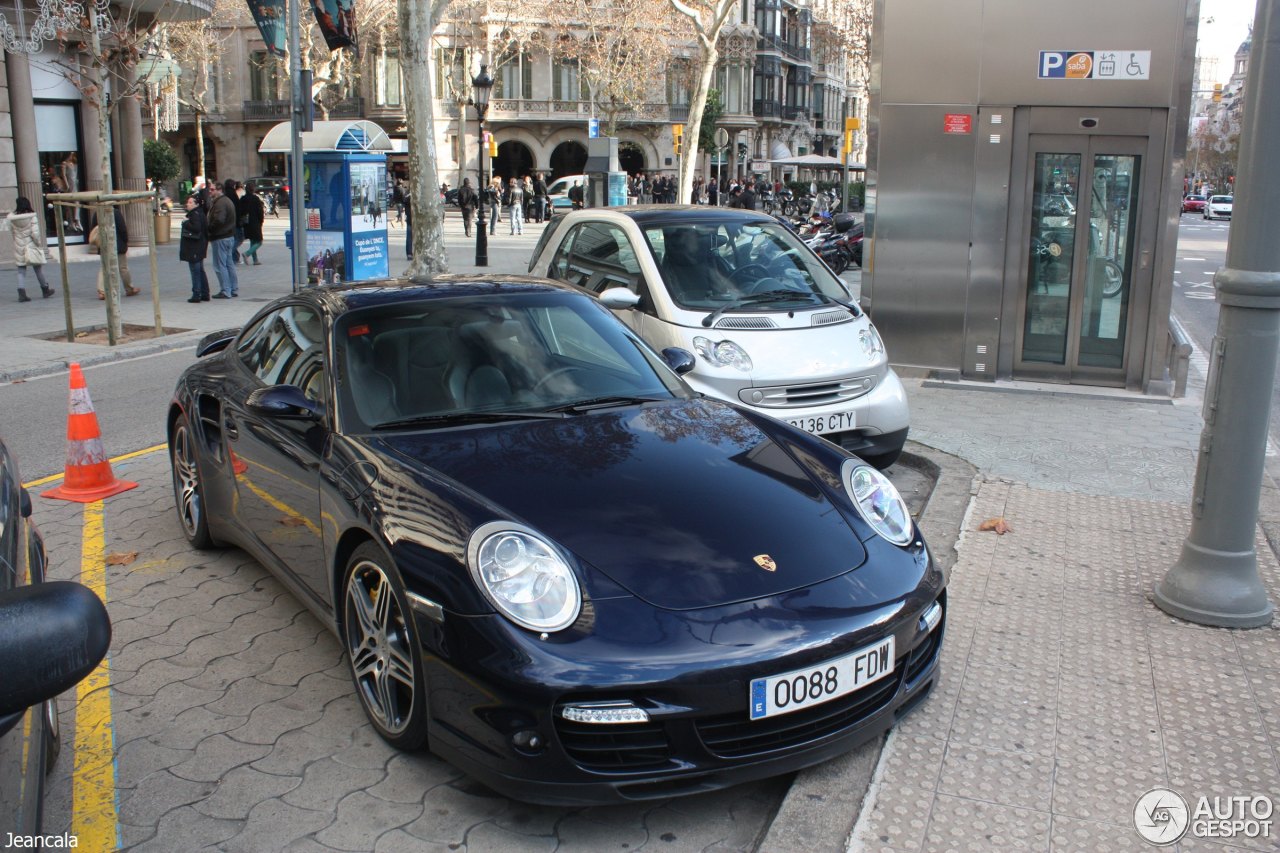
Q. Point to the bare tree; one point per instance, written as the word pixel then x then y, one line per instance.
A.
pixel 618 45
pixel 194 45
pixel 335 73
pixel 708 18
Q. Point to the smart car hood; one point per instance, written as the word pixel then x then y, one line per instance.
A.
pixel 688 504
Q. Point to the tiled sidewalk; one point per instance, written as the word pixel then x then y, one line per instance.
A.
pixel 1065 694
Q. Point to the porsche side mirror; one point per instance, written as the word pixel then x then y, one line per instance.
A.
pixel 24 503
pixel 679 360
pixel 51 636
pixel 618 298
pixel 285 402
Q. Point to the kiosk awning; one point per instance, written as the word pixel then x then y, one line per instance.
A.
pixel 818 161
pixel 359 135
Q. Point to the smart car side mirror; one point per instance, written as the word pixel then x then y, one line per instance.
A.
pixel 618 298
pixel 285 402
pixel 679 360
pixel 51 636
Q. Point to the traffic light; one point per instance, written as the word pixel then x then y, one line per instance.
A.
pixel 493 145
pixel 677 133
pixel 1217 93
pixel 848 143
pixel 852 124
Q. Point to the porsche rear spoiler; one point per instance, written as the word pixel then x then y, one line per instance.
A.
pixel 216 341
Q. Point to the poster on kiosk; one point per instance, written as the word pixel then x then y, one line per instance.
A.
pixel 346 204
pixel 344 184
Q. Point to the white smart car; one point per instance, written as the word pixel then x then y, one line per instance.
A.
pixel 772 327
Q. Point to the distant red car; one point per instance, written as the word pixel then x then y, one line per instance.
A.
pixel 1193 203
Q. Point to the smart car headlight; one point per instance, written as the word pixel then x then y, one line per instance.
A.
pixel 723 353
pixel 878 501
pixel 524 576
pixel 872 346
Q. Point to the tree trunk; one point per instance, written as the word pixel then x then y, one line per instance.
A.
pixel 417 21
pixel 693 128
pixel 106 219
pixel 200 173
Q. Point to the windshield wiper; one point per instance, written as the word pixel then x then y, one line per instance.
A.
pixel 857 311
pixel 605 402
pixel 458 418
pixel 751 299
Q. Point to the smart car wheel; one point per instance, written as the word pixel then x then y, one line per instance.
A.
pixel 382 649
pixel 187 492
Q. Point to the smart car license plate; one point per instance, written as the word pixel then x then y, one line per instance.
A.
pixel 804 688
pixel 819 424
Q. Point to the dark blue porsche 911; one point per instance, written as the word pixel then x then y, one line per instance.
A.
pixel 547 557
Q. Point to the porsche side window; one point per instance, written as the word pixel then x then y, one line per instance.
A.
pixel 603 258
pixel 287 338
pixel 305 368
pixel 560 263
pixel 250 345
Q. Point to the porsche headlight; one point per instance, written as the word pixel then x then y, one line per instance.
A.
pixel 878 501
pixel 524 576
pixel 872 346
pixel 723 353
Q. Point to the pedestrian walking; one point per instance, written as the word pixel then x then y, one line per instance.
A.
pixel 540 211
pixel 193 246
pixel 467 201
pixel 514 202
pixel 576 196
pixel 237 197
pixel 122 251
pixel 28 247
pixel 252 216
pixel 492 197
pixel 713 193
pixel 222 235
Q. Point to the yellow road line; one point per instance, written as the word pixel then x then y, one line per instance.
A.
pixel 94 820
pixel 56 477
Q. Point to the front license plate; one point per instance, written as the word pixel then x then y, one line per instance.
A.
pixel 804 688
pixel 819 424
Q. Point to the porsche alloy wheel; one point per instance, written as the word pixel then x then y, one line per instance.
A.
pixel 187 493
pixel 382 649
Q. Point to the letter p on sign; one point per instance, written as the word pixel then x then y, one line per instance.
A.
pixel 1052 63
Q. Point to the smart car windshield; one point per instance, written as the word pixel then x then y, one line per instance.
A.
pixel 446 362
pixel 718 265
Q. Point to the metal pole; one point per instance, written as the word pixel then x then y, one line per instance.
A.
pixel 297 213
pixel 155 276
pixel 62 257
pixel 1215 580
pixel 482 236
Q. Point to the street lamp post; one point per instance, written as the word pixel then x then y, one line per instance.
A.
pixel 480 86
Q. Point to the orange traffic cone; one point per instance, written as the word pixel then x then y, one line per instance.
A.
pixel 88 474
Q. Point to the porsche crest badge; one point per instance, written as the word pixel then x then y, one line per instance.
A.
pixel 766 562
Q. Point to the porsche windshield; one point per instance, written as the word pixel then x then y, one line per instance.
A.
pixel 708 265
pixel 431 363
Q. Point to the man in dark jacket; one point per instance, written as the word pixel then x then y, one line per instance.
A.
pixel 467 200
pixel 192 248
pixel 540 198
pixel 222 229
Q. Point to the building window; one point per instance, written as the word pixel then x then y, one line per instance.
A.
pixel 451 74
pixel 265 76
pixel 387 80
pixel 210 97
pixel 678 75
pixel 515 77
pixel 567 83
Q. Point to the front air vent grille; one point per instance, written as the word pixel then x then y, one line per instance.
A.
pixel 829 318
pixel 745 323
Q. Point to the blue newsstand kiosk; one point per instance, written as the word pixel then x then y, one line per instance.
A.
pixel 345 196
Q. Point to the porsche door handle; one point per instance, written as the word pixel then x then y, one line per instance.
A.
pixel 231 430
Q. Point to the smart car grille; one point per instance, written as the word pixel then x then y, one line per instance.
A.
pixel 828 318
pixel 818 394
pixel 745 323
pixel 628 746
pixel 735 736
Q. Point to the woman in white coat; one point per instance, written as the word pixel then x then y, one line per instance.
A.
pixel 28 248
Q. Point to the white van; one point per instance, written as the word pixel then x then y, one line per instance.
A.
pixel 558 191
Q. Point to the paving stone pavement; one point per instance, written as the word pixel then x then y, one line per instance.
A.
pixel 1065 694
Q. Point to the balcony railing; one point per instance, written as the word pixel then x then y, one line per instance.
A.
pixel 791 113
pixel 767 109
pixel 795 51
pixel 347 108
pixel 266 110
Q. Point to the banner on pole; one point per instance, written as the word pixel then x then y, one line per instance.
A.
pixel 270 17
pixel 337 20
